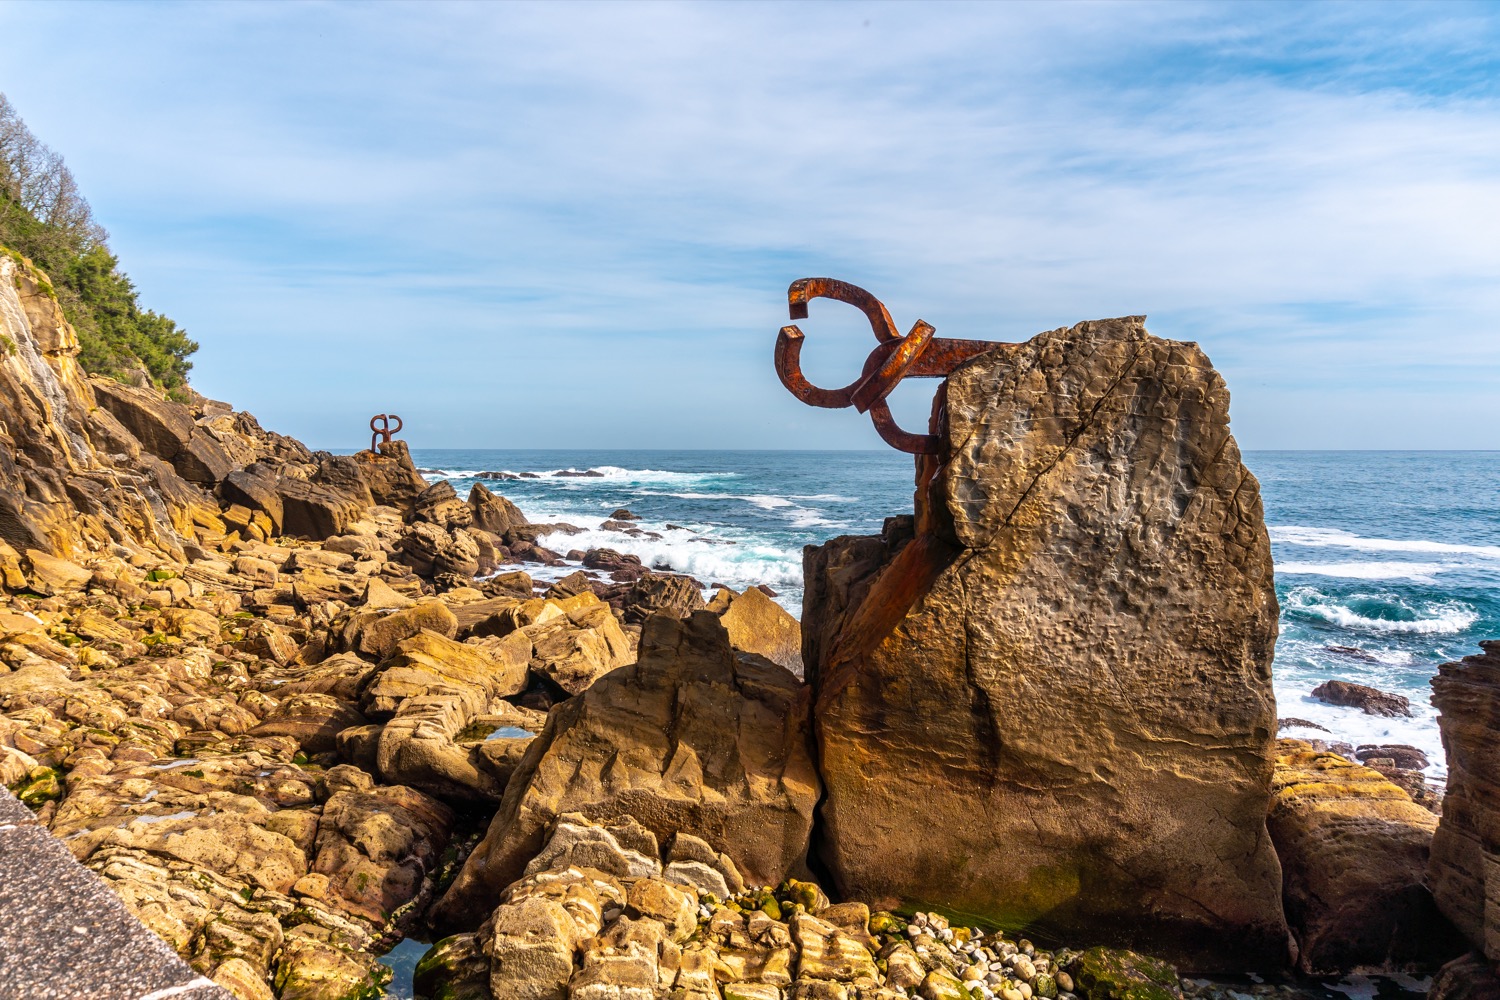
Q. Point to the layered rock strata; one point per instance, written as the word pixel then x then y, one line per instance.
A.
pixel 1465 869
pixel 1063 666
pixel 1354 849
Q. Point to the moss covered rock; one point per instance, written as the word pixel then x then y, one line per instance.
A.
pixel 1117 974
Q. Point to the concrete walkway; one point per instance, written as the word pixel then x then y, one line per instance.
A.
pixel 65 936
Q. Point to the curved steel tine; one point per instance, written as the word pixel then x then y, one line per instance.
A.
pixel 877 385
pixel 789 370
pixel 399 424
pixel 912 444
pixel 804 289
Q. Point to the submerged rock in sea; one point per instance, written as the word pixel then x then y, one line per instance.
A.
pixel 692 738
pixel 1371 701
pixel 1047 701
pixel 1465 870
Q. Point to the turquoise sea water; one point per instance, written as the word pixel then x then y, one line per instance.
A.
pixel 1388 563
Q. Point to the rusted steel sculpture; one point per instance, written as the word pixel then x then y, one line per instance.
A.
pixel 917 355
pixel 382 434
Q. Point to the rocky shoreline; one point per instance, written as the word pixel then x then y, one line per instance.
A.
pixel 294 707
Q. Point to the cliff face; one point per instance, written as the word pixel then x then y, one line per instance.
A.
pixel 91 468
pixel 73 481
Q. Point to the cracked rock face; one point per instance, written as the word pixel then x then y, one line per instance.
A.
pixel 1047 701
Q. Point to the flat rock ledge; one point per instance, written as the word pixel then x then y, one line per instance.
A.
pixel 69 935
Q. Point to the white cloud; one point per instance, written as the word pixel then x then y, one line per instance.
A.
pixel 552 216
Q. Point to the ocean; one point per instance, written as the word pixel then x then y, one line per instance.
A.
pixel 1387 563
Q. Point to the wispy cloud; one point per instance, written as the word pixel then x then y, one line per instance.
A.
pixel 573 224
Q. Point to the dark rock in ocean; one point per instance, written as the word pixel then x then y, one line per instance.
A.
pixel 1354 848
pixel 586 474
pixel 1465 870
pixel 1294 723
pixel 1401 755
pixel 766 590
pixel 623 514
pixel 622 526
pixel 609 560
pixel 1045 702
pixel 1371 701
pixel 1352 653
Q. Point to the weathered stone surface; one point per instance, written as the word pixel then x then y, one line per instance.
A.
pixel 655 592
pixel 757 624
pixel 577 648
pixel 692 737
pixel 1465 867
pixel 315 511
pixel 1353 850
pixel 1049 702
pixel 493 512
pixel 377 635
pixel 392 478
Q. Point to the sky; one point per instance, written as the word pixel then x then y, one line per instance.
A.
pixel 573 225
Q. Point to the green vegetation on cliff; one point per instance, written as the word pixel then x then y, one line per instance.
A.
pixel 44 217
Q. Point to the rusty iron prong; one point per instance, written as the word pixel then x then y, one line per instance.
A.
pixel 789 370
pixel 804 289
pixel 875 387
pixel 912 444
pixel 382 434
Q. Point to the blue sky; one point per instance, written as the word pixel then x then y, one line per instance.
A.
pixel 573 225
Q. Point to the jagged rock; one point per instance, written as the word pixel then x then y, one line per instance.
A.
pixel 1470 977
pixel 313 720
pixel 162 427
pixel 1050 694
pixel 493 512
pixel 654 592
pixel 1353 850
pixel 430 549
pixel 391 476
pixel 377 635
pixel 1371 701
pixel 696 739
pixel 51 575
pixel 757 624
pixel 576 649
pixel 255 490
pixel 438 504
pixel 1465 868
pixel 311 510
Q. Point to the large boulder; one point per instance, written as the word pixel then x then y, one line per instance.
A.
pixel 1046 701
pixel 1353 849
pixel 757 624
pixel 493 512
pixel 392 477
pixel 1465 868
pixel 317 511
pixel 692 738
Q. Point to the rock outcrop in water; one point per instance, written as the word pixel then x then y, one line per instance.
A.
pixel 1465 868
pixel 1047 703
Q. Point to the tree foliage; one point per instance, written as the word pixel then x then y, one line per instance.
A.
pixel 44 216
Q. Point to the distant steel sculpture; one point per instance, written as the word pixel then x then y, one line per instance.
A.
pixel 382 434
pixel 917 355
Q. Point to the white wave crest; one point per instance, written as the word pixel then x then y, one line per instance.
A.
pixel 1426 618
pixel 1416 572
pixel 705 557
pixel 1292 534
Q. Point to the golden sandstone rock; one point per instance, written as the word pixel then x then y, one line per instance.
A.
pixel 1051 695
